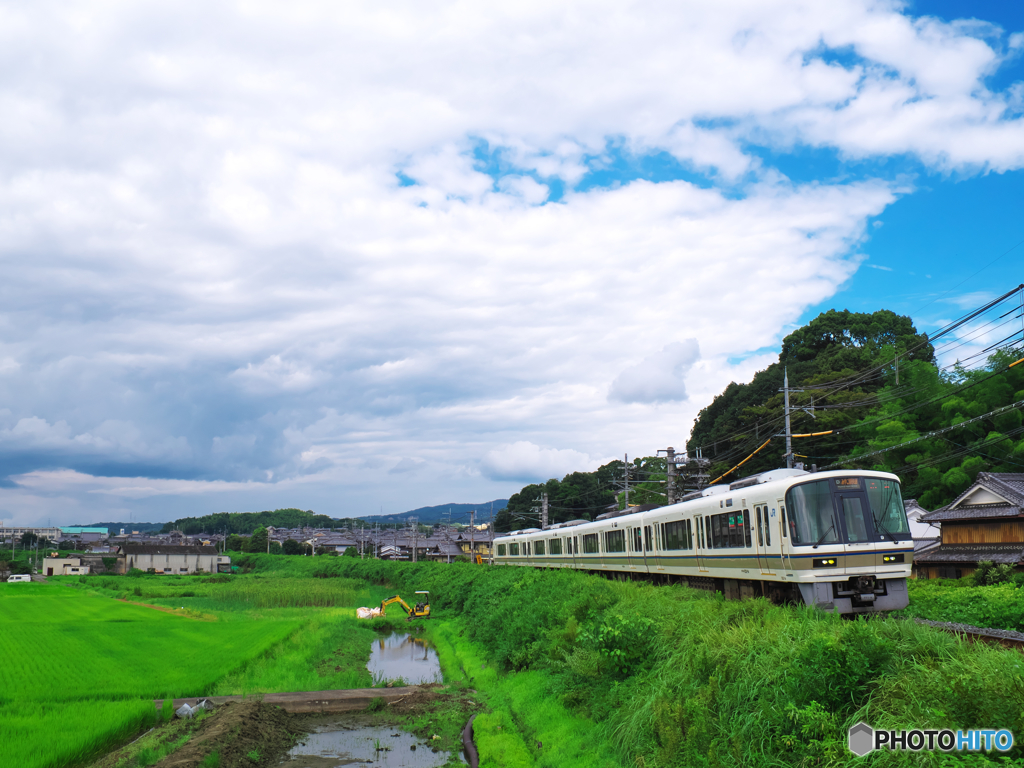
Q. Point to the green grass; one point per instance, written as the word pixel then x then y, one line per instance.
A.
pixel 40 735
pixel 1000 606
pixel 80 671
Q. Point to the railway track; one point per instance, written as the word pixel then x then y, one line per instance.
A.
pixel 1004 637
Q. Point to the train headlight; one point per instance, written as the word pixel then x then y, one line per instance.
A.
pixel 825 562
pixel 892 558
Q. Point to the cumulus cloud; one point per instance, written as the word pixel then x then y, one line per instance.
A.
pixel 273 247
pixel 523 461
pixel 658 378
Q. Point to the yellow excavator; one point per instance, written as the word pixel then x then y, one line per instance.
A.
pixel 421 611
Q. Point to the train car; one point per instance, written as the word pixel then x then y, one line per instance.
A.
pixel 837 540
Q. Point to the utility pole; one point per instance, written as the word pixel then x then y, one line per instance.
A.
pixel 625 471
pixel 670 476
pixel 472 538
pixel 490 531
pixel 544 511
pixel 786 389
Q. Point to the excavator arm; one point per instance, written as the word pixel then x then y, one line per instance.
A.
pixel 396 599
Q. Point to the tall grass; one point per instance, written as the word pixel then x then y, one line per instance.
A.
pixel 1000 606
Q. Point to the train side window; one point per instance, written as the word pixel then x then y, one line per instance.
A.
pixel 513 549
pixel 760 528
pixel 689 536
pixel 555 547
pixel 590 546
pixel 657 536
pixel 615 541
pixel 746 527
pixel 674 535
pixel 638 544
pixel 501 550
pixel 782 512
pixel 648 544
pixel 538 548
pixel 767 527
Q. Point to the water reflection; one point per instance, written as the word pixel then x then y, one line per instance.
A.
pixel 336 743
pixel 400 656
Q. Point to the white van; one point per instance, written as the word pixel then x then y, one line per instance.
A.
pixel 18 577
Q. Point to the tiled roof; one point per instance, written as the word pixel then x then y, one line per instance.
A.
pixel 972 512
pixel 973 553
pixel 1009 485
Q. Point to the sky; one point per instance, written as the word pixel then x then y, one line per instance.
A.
pixel 362 258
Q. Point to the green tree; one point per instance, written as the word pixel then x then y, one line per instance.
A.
pixel 292 547
pixel 351 552
pixel 258 541
pixel 235 543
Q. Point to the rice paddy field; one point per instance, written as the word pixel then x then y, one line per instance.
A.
pixel 81 665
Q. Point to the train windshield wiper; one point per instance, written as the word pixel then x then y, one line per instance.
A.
pixel 878 523
pixel 831 527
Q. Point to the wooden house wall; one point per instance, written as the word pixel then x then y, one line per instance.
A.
pixel 1009 531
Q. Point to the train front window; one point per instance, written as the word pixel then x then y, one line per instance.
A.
pixel 887 506
pixel 811 514
pixel 854 520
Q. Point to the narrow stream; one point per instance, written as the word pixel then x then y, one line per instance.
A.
pixel 402 657
pixel 340 742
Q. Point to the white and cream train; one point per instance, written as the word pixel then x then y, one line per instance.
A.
pixel 837 540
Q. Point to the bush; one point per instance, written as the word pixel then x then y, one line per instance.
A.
pixel 987 574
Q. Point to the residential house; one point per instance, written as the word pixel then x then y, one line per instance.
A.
pixel 984 523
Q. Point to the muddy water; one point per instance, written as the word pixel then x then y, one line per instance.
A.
pixel 337 743
pixel 402 656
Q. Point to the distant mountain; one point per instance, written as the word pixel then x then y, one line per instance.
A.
pixel 115 528
pixel 438 514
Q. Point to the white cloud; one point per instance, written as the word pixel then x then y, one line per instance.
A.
pixel 526 462
pixel 658 378
pixel 217 274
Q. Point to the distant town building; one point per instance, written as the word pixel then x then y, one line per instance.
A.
pixel 172 559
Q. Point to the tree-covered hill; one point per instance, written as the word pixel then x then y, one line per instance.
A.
pixel 873 384
pixel 247 522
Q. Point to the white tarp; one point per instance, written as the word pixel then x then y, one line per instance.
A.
pixel 367 613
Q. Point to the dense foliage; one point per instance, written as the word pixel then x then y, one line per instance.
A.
pixel 248 522
pixel 996 606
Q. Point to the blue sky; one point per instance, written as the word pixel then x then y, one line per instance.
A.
pixel 321 257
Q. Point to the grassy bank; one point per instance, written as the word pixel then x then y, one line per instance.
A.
pixel 676 677
pixel 1000 606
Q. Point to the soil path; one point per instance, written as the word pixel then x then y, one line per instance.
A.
pixel 324 701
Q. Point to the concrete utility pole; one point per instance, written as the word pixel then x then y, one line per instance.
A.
pixel 786 389
pixel 490 531
pixel 670 476
pixel 472 538
pixel 415 536
pixel 625 471
pixel 544 511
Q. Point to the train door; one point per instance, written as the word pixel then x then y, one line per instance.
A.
pixel 648 547
pixel 762 538
pixel 700 542
pixel 634 548
pixel 784 542
pixel 853 511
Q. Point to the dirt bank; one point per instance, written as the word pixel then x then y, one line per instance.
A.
pixel 245 733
